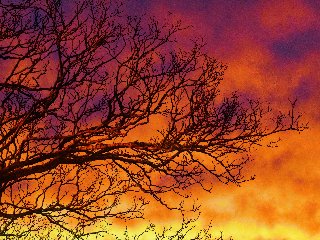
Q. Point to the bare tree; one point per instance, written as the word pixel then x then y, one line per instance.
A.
pixel 185 231
pixel 77 82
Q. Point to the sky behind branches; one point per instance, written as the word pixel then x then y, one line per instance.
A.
pixel 272 52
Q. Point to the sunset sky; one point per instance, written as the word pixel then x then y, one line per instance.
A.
pixel 110 117
pixel 272 52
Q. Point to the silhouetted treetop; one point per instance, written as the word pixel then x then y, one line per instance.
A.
pixel 97 108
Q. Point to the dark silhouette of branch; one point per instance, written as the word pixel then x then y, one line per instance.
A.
pixel 76 82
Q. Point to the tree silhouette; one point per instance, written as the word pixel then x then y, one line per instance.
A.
pixel 78 81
